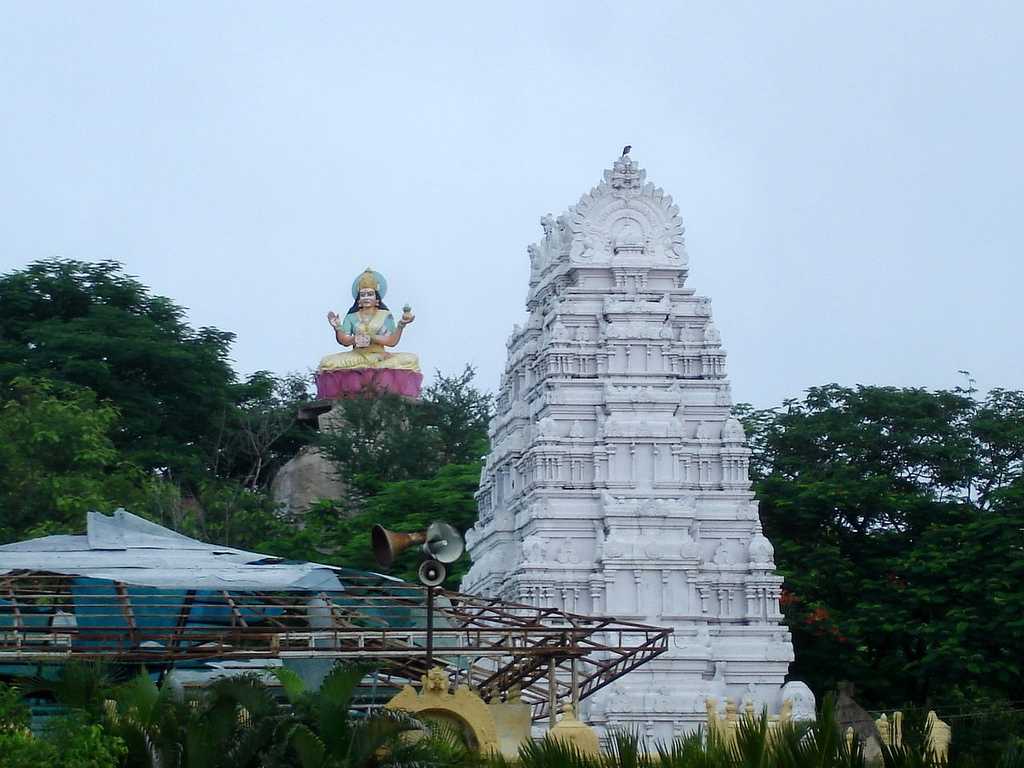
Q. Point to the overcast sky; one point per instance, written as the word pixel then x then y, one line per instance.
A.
pixel 849 174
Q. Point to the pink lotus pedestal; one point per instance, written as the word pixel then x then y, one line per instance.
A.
pixel 331 385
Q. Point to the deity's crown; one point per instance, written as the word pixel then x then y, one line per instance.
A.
pixel 368 278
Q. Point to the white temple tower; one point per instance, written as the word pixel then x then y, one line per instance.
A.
pixel 617 481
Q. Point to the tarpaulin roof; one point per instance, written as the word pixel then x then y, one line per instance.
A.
pixel 124 547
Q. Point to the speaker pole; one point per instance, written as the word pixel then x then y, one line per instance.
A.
pixel 430 628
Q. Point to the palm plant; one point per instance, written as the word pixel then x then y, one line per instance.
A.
pixel 695 750
pixel 817 743
pixel 1013 755
pixel 325 734
pixel 548 753
pixel 231 723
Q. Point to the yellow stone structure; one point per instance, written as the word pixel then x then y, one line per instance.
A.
pixel 725 727
pixel 570 730
pixel 463 709
pixel 513 719
pixel 939 734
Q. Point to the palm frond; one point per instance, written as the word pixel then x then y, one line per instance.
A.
pixel 292 685
pixel 307 746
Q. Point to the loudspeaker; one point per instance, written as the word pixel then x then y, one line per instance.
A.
pixel 432 573
pixel 387 545
pixel 443 543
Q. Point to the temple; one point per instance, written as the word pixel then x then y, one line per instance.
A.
pixel 617 481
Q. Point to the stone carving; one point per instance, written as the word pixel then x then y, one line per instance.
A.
pixel 689 549
pixel 722 555
pixel 630 471
pixel 533 251
pixel 567 552
pixel 711 335
pixel 801 699
pixel 760 551
pixel 618 546
pixel 732 432
pixel 547 427
pixel 533 549
pixel 547 224
pixel 706 431
pixel 463 707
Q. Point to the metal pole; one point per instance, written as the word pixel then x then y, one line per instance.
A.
pixel 552 694
pixel 430 628
pixel 575 687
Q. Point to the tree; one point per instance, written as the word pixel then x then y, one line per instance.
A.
pixel 72 741
pixel 58 459
pixel 405 505
pixel 386 438
pixel 232 722
pixel 413 462
pixel 261 431
pixel 459 413
pixel 383 438
pixel 93 326
pixel 898 522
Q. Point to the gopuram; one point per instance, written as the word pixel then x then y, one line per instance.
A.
pixel 617 481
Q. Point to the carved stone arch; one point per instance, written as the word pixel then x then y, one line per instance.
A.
pixel 463 710
pixel 601 215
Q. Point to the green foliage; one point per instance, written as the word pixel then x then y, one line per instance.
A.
pixel 407 505
pixel 898 521
pixel 238 722
pixel 459 414
pixel 20 749
pixel 411 462
pixel 72 741
pixel 14 714
pixel 80 743
pixel 388 438
pixel 325 734
pixel 93 326
pixel 58 459
pixel 232 723
pixel 260 430
pixel 385 438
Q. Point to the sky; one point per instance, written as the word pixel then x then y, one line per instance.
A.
pixel 850 174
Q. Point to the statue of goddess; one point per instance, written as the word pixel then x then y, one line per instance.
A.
pixel 368 328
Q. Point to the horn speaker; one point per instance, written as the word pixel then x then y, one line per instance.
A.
pixel 440 542
pixel 387 545
pixel 443 543
pixel 432 573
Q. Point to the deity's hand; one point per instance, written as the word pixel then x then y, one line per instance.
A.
pixel 407 315
pixel 362 341
pixel 332 318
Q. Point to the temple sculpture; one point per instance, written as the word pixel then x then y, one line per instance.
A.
pixel 369 328
pixel 367 368
pixel 617 481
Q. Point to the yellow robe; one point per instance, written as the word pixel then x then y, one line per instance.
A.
pixel 373 356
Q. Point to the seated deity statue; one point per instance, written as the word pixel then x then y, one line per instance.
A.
pixel 369 329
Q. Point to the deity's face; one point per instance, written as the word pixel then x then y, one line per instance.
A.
pixel 367 297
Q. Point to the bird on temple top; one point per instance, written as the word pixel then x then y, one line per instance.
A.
pixel 625 149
